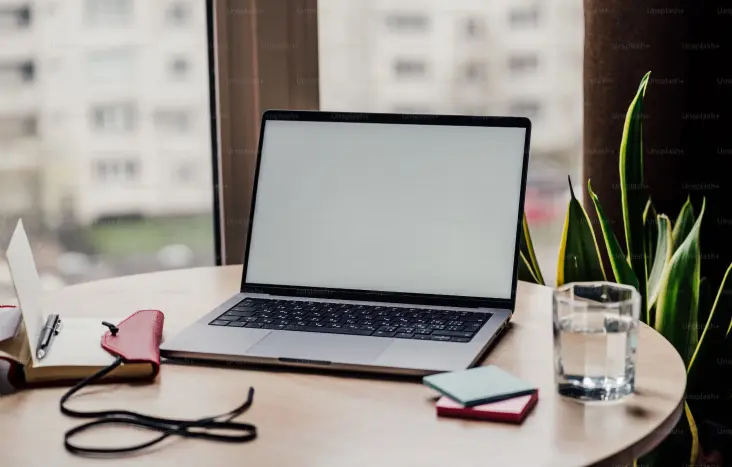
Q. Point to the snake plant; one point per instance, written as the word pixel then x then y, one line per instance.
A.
pixel 659 258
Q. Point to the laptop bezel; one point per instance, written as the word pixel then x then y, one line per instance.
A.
pixel 388 296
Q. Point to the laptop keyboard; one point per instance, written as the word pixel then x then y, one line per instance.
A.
pixel 354 319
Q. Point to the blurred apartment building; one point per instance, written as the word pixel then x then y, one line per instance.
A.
pixel 476 57
pixel 104 109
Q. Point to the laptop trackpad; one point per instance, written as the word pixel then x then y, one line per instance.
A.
pixel 333 348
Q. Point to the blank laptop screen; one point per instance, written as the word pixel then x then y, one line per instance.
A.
pixel 387 207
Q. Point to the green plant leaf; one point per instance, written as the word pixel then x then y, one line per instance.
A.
pixel 527 249
pixel 618 261
pixel 684 223
pixel 717 320
pixel 678 297
pixel 694 432
pixel 650 236
pixel 664 250
pixel 631 184
pixel 579 255
pixel 524 270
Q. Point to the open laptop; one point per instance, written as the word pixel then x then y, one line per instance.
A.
pixel 377 242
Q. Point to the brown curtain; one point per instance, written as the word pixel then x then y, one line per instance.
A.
pixel 687 45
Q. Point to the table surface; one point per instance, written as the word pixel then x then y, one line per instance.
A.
pixel 308 419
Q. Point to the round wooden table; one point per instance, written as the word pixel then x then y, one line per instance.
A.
pixel 323 420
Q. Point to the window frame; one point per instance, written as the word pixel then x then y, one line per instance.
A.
pixel 246 77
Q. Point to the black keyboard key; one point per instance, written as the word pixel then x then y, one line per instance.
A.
pixel 243 308
pixel 459 339
pixel 254 325
pixel 240 313
pixel 406 330
pixel 422 337
pixel 404 335
pixel 383 334
pixel 452 333
pixel 426 331
pixel 478 317
pixel 227 318
pixel 247 319
pixel 237 324
pixel 219 322
pixel 440 338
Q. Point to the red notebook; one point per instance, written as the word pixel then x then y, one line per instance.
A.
pixel 512 410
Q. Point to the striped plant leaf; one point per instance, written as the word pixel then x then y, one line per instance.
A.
pixel 650 236
pixel 664 250
pixel 684 223
pixel 579 255
pixel 618 261
pixel 631 183
pixel 527 249
pixel 678 296
pixel 717 320
pixel 524 270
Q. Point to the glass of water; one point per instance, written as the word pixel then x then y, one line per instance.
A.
pixel 595 339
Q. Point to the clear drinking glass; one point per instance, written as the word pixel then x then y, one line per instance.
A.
pixel 595 339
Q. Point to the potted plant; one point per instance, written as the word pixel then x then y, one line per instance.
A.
pixel 661 259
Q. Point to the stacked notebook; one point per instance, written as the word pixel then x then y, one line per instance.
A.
pixel 486 393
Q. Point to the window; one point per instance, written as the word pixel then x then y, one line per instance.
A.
pixel 523 64
pixel 179 68
pixel 474 71
pixel 114 117
pixel 474 28
pixel 116 170
pixel 17 73
pixel 526 16
pixel 15 18
pixel 17 127
pixel 111 66
pixel 527 108
pixel 178 13
pixel 409 68
pixel 109 12
pixel 178 121
pixel 414 22
pixel 80 84
pixel 186 173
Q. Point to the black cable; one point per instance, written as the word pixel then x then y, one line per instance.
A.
pixel 166 426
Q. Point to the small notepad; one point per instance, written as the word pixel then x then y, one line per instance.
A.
pixel 479 385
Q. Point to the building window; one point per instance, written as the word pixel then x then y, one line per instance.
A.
pixel 526 16
pixel 173 121
pixel 474 71
pixel 116 170
pixel 409 68
pixel 179 68
pixel 186 173
pixel 114 117
pixel 109 12
pixel 15 18
pixel 17 73
pixel 527 108
pixel 178 13
pixel 11 127
pixel 407 22
pixel 522 64
pixel 111 66
pixel 474 28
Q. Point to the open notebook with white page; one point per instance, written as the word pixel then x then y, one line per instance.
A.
pixel 76 352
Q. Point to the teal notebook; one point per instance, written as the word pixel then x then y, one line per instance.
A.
pixel 479 385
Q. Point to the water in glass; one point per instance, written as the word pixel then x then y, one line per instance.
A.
pixel 595 340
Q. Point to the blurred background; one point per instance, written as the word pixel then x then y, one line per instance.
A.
pixel 105 146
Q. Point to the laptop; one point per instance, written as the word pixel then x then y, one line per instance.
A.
pixel 376 243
